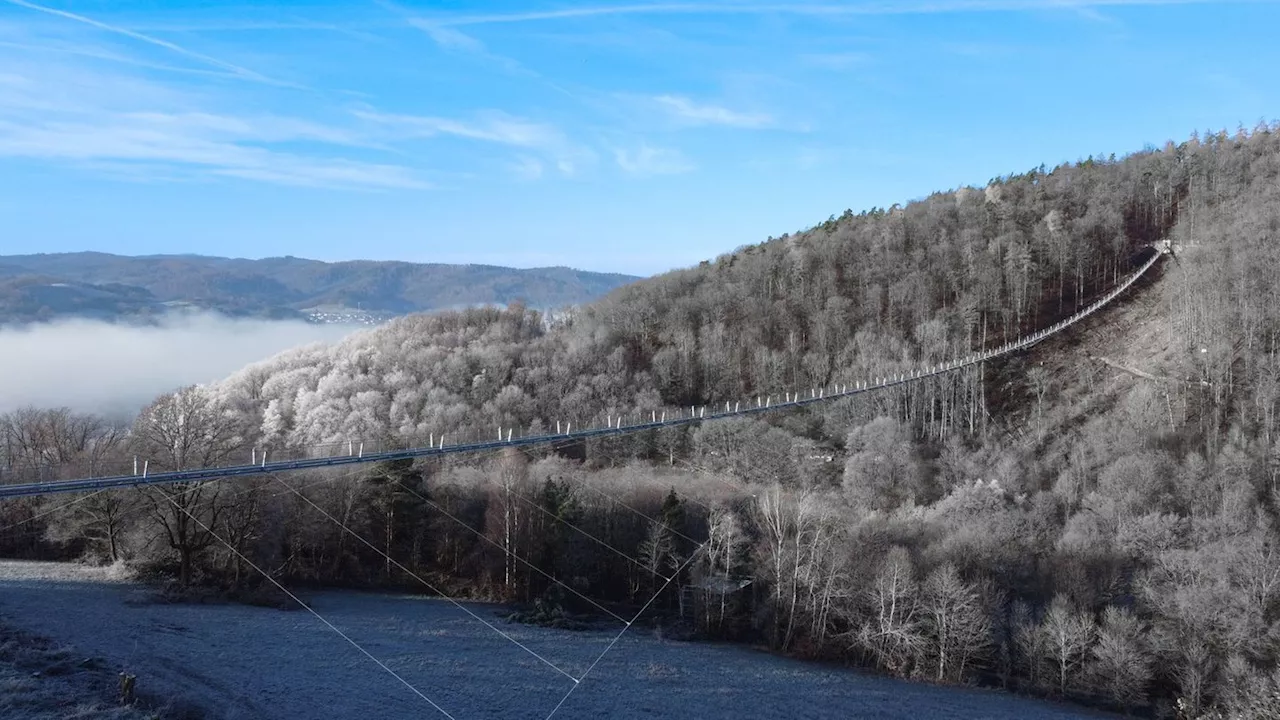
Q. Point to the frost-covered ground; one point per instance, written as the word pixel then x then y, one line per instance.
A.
pixel 41 680
pixel 249 662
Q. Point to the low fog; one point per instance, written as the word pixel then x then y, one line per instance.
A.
pixel 94 366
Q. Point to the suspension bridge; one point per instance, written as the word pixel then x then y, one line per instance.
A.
pixel 655 421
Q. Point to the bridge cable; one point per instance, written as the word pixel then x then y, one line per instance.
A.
pixel 512 553
pixel 420 579
pixel 311 610
pixel 627 627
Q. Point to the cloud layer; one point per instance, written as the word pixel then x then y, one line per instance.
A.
pixel 99 367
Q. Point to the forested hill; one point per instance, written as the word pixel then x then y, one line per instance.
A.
pixel 860 294
pixel 1094 519
pixel 100 285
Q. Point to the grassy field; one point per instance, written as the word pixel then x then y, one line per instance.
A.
pixel 44 680
pixel 238 662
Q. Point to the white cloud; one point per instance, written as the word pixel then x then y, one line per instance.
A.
pixel 527 168
pixel 456 41
pixel 94 119
pixel 494 127
pixel 647 160
pixel 140 37
pixel 689 112
pixel 836 60
pixel 491 127
pixel 223 145
pixel 449 38
pixel 99 367
pixel 918 7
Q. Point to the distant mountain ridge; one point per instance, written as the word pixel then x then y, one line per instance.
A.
pixel 35 288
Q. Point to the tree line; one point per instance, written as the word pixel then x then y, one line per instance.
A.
pixel 1046 523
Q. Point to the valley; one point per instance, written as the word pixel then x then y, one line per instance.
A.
pixel 234 662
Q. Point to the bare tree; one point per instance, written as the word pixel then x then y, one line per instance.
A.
pixel 102 519
pixel 721 563
pixel 179 431
pixel 956 623
pixel 508 516
pixel 1068 636
pixel 893 631
pixel 1121 662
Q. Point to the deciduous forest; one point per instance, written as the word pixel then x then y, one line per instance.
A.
pixel 1094 519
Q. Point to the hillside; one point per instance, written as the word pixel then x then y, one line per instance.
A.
pixel 99 285
pixel 1094 520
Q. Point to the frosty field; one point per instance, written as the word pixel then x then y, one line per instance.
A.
pixel 242 662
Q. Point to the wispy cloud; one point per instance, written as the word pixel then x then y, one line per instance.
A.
pixel 140 37
pixel 690 112
pixel 491 127
pixel 99 54
pixel 455 41
pixel 647 160
pixel 527 168
pixel 92 120
pixel 809 9
pixel 837 60
pixel 448 38
pixel 226 147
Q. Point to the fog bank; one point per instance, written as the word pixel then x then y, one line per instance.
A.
pixel 95 366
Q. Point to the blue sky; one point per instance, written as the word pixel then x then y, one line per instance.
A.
pixel 629 137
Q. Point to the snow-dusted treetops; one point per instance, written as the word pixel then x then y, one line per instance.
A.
pixel 1095 519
